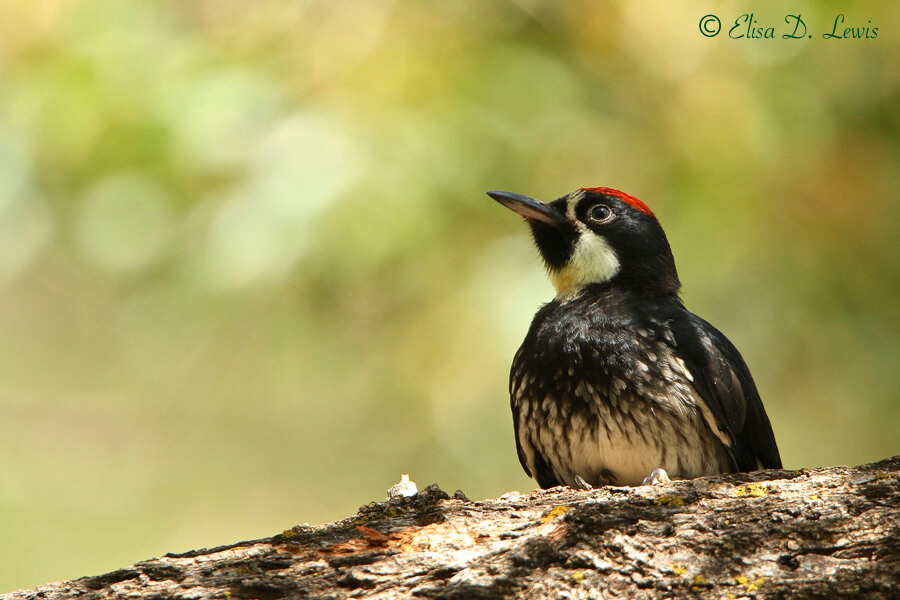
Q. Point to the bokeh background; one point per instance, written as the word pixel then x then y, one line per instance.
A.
pixel 249 275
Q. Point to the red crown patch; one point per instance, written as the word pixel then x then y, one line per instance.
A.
pixel 623 197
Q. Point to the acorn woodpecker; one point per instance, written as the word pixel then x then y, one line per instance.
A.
pixel 617 382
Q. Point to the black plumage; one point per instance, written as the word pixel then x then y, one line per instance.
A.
pixel 616 378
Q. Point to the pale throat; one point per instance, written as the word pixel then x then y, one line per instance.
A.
pixel 593 261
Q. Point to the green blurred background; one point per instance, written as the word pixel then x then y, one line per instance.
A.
pixel 249 275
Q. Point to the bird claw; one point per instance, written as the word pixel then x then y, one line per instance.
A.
pixel 657 477
pixel 584 484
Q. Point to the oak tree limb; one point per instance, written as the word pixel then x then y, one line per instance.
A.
pixel 820 533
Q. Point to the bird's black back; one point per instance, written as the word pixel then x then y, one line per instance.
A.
pixel 723 380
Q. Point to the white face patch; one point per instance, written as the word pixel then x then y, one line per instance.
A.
pixel 592 261
pixel 571 202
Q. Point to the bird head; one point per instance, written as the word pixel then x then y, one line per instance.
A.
pixel 598 236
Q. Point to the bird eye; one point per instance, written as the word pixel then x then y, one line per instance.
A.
pixel 600 213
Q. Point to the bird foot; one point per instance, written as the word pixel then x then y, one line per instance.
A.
pixel 582 483
pixel 657 477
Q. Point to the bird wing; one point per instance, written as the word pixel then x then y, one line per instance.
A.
pixel 542 471
pixel 724 383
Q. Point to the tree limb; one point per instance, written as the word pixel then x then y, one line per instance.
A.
pixel 823 533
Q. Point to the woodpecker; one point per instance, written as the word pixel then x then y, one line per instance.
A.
pixel 617 382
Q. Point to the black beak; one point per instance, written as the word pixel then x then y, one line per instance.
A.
pixel 531 209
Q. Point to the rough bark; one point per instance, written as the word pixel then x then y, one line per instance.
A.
pixel 823 533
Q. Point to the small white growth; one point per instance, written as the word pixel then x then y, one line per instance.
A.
pixel 404 489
